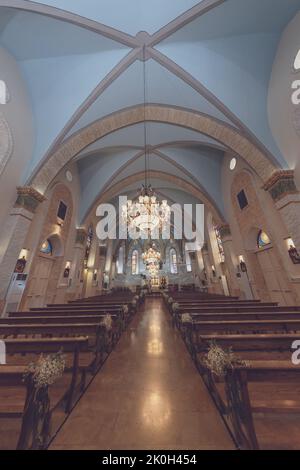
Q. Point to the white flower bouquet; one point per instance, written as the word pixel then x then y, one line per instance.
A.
pixel 47 370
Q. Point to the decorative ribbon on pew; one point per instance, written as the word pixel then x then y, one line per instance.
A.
pixel 107 321
pixel 37 414
pixel 218 360
pixel 47 370
pixel 175 307
pixel 186 318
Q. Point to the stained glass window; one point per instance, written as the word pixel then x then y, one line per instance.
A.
pixel 220 245
pixel 263 239
pixel 188 261
pixel 135 262
pixel 173 261
pixel 46 248
pixel 89 240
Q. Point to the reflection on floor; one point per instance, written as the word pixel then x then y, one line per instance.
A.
pixel 147 396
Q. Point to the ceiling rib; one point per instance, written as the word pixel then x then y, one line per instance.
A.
pixel 122 168
pixel 198 10
pixel 193 143
pixel 91 25
pixel 202 90
pixel 168 159
pixel 100 88
pixel 179 72
pixel 199 192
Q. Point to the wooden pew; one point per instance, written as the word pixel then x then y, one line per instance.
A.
pixel 237 316
pixel 31 410
pixel 100 340
pixel 248 393
pixel 74 348
pixel 242 326
pixel 233 308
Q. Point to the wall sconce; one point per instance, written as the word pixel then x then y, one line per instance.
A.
pixel 294 255
pixel 243 265
pixel 21 262
pixel 24 253
pixel 67 269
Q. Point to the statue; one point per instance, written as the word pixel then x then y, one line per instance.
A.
pixel 294 255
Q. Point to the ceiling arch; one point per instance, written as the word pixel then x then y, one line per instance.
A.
pixel 120 188
pixel 221 132
pixel 198 166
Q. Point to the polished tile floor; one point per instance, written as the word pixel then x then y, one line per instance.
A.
pixel 147 396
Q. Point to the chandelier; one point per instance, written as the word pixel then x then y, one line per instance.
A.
pixel 145 214
pixel 152 258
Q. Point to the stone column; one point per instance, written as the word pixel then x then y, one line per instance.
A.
pixel 14 234
pixel 282 188
pixel 75 290
pixel 229 267
pixel 207 265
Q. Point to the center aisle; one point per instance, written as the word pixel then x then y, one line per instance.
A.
pixel 147 396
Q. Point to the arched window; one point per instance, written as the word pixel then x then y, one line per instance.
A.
pixel 297 61
pixel 47 248
pixel 4 95
pixel 220 244
pixel 188 262
pixel 120 261
pixel 89 240
pixel 135 262
pixel 262 239
pixel 173 261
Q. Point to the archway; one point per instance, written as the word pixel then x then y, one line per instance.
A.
pixel 39 291
pixel 233 138
pixel 271 281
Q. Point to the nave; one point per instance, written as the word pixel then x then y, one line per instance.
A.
pixel 148 395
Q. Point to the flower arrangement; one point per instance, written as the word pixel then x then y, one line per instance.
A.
pixel 219 360
pixel 107 321
pixel 47 370
pixel 175 306
pixel 186 318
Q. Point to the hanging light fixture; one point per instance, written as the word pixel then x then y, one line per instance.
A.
pixel 146 213
pixel 152 258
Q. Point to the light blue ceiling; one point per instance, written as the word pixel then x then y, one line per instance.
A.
pixel 62 64
pixel 158 134
pixel 203 165
pixel 132 16
pixel 161 87
pixel 235 46
pixel 229 50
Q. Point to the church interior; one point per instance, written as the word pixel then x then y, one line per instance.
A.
pixel 150 225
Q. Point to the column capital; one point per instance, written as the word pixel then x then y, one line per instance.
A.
pixel 205 247
pixel 224 231
pixel 29 198
pixel 81 235
pixel 281 184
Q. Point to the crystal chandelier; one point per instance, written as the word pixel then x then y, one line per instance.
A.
pixel 152 258
pixel 146 213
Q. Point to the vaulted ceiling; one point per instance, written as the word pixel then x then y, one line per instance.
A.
pixel 82 60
